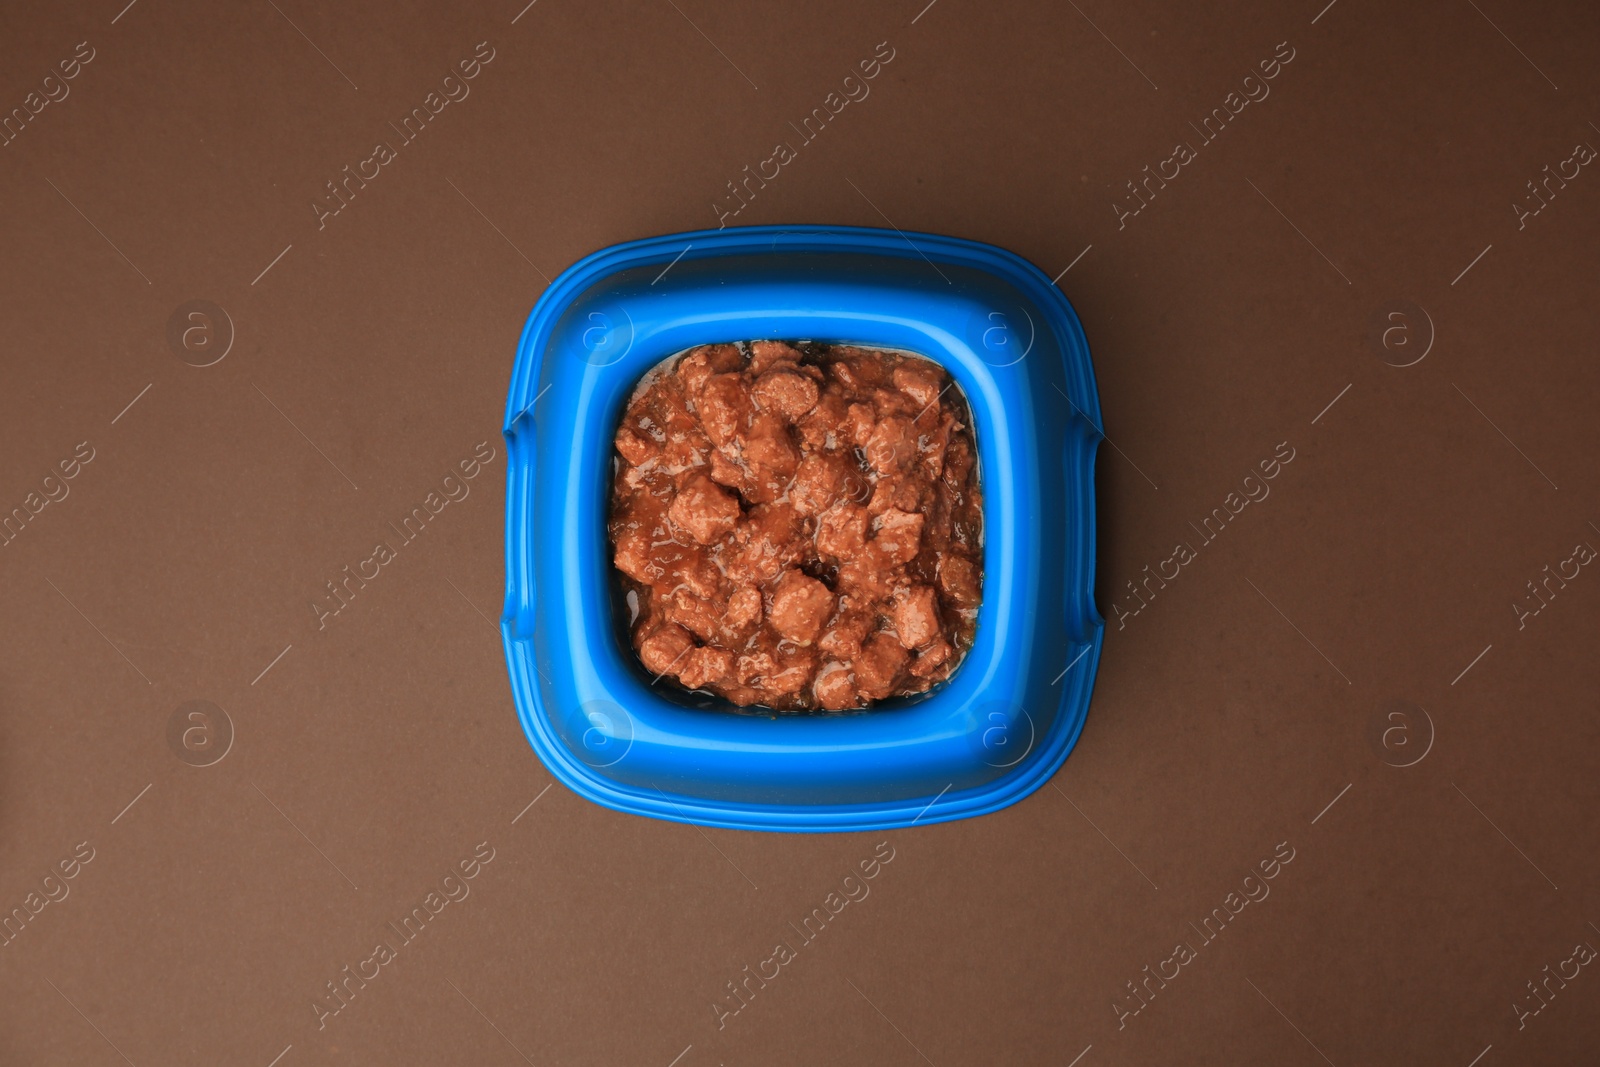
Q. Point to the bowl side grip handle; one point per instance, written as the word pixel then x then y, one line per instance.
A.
pixel 521 478
pixel 1078 460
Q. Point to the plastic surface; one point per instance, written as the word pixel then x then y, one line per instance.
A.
pixel 1006 719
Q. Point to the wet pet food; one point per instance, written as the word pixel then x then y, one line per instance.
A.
pixel 798 526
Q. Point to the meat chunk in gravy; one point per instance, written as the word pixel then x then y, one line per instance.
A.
pixel 798 526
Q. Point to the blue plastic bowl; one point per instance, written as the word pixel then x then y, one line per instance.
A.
pixel 1004 721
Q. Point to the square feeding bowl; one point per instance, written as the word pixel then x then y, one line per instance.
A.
pixel 989 735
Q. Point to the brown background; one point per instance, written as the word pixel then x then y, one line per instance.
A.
pixel 374 754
